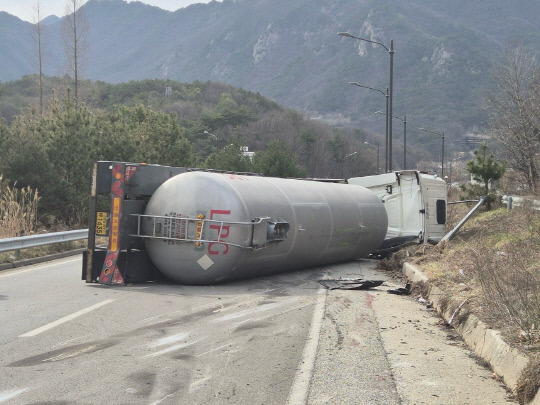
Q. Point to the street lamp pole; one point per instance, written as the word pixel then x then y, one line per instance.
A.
pixel 377 146
pixel 404 142
pixel 441 134
pixel 387 167
pixel 391 53
pixel 404 120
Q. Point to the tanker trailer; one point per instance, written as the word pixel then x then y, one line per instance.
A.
pixel 204 228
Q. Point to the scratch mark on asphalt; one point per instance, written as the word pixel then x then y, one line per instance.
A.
pixel 173 348
pixel 7 395
pixel 170 339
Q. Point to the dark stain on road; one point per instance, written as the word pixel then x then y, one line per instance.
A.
pixel 252 325
pixel 184 357
pixel 143 381
pixel 339 332
pixel 64 353
pixel 163 326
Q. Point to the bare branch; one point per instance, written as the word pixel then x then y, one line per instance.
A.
pixel 514 112
pixel 74 32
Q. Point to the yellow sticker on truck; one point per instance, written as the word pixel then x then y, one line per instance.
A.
pixel 115 224
pixel 102 219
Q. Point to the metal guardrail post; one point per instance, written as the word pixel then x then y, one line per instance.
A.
pixel 451 234
pixel 509 203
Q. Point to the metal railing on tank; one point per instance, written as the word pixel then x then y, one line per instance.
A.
pixel 192 230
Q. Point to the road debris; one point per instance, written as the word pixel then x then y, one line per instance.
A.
pixel 350 284
pixel 401 290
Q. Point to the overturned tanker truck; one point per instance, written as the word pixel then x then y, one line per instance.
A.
pixel 199 227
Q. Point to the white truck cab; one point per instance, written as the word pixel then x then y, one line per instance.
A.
pixel 415 203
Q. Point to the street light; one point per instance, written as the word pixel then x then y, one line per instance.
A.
pixel 375 146
pixel 451 167
pixel 343 162
pixel 215 137
pixel 441 134
pixel 391 53
pixel 387 166
pixel 404 120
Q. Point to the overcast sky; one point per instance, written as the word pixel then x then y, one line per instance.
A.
pixel 25 9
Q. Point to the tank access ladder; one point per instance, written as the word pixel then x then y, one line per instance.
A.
pixel 262 230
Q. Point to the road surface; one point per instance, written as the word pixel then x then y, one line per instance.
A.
pixel 281 339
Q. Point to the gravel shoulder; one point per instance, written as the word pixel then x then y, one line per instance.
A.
pixel 380 348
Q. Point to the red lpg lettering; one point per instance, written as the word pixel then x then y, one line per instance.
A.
pixel 215 251
pixel 225 229
pixel 223 232
pixel 218 212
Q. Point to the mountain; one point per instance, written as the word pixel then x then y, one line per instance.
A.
pixel 15 47
pixel 289 51
pixel 52 19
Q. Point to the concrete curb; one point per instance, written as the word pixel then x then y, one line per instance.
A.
pixel 487 343
pixel 35 260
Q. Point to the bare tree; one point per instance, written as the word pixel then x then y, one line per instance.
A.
pixel 74 33
pixel 515 112
pixel 37 36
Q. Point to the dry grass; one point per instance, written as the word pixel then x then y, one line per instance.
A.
pixel 529 382
pixel 18 210
pixel 18 216
pixel 494 262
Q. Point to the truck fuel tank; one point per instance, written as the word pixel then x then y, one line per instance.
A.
pixel 203 228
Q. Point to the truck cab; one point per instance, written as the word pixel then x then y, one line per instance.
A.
pixel 415 203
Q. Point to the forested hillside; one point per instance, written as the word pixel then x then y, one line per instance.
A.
pixel 202 124
pixel 289 51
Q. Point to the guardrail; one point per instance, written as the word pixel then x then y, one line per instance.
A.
pixel 23 242
pixel 515 201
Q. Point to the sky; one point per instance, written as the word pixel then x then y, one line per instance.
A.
pixel 25 9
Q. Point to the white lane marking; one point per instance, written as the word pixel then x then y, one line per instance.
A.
pixel 65 319
pixel 7 395
pixel 170 339
pixel 300 387
pixel 13 272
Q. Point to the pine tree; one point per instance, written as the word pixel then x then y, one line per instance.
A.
pixel 486 169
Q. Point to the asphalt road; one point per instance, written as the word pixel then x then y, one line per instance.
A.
pixel 276 340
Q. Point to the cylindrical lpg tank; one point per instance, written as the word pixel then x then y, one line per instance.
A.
pixel 306 223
